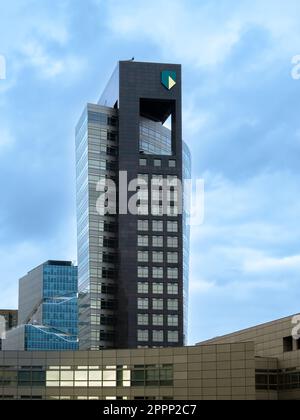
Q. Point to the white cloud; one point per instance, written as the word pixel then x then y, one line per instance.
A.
pixel 263 264
pixel 49 66
pixel 6 140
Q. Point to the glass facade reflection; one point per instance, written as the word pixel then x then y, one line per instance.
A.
pixel 48 309
pixel 96 155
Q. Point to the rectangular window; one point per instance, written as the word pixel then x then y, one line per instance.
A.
pixel 173 257
pixel 143 225
pixel 143 272
pixel 157 288
pixel 287 344
pixel 158 320
pixel 157 272
pixel 158 304
pixel 172 227
pixel 172 304
pixel 143 162
pixel 172 273
pixel 157 226
pixel 143 240
pixel 158 241
pixel 143 256
pixel 172 163
pixel 157 257
pixel 143 335
pixel 143 288
pixel 143 319
pixel 172 336
pixel 158 336
pixel 172 289
pixel 143 303
pixel 157 163
pixel 173 320
pixel 172 242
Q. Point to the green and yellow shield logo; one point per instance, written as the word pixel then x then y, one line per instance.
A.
pixel 168 79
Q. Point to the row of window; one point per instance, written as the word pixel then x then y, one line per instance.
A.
pixel 157 288
pixel 157 273
pixel 157 320
pixel 157 226
pixel 157 304
pixel 157 336
pixel 157 241
pixel 157 163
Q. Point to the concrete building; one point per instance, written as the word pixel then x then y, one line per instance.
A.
pixel 186 373
pixel 48 311
pixel 133 266
pixel 277 361
pixel 260 363
pixel 8 320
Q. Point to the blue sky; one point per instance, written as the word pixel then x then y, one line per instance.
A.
pixel 241 121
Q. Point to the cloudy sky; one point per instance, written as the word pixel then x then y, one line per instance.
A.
pixel 241 121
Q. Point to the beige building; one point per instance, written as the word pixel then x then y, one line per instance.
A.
pixel 189 373
pixel 277 356
pixel 258 363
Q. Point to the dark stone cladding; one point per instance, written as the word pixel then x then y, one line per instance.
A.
pixel 137 81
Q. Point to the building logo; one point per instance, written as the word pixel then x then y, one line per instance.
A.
pixel 168 79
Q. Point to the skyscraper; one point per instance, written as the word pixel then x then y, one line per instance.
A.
pixel 48 312
pixel 133 260
pixel 9 320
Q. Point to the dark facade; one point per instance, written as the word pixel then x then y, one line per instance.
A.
pixel 146 288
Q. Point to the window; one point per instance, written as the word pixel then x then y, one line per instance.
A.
pixel 143 225
pixel 287 344
pixel 172 227
pixel 172 273
pixel 143 319
pixel 173 320
pixel 172 304
pixel 143 288
pixel 143 240
pixel 143 256
pixel 158 304
pixel 157 226
pixel 158 257
pixel 172 163
pixel 157 288
pixel 157 163
pixel 143 335
pixel 172 289
pixel 158 241
pixel 173 257
pixel 143 272
pixel 143 303
pixel 157 272
pixel 158 336
pixel 172 336
pixel 158 320
pixel 172 242
pixel 143 162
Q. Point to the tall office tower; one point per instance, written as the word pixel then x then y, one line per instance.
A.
pixel 133 246
pixel 48 310
pixel 8 320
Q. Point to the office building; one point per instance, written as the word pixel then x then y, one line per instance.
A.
pixel 133 261
pixel 48 311
pixel 9 319
pixel 260 363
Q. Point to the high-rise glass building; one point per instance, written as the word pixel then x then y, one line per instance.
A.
pixel 133 262
pixel 48 310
